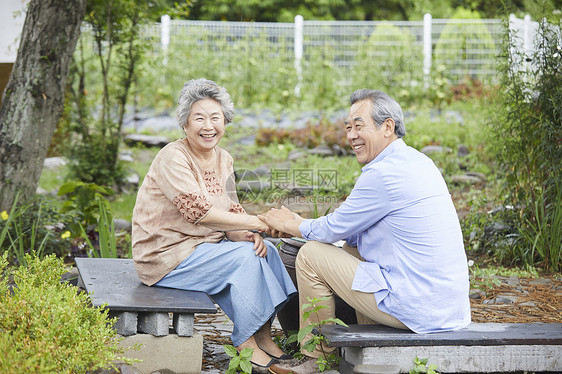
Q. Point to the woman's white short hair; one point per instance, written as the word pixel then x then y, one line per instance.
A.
pixel 200 89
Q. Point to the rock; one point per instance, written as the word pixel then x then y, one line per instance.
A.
pixel 467 179
pixel 496 227
pixel 126 156
pixel 540 281
pixel 41 191
pixel 151 122
pixel 146 140
pixel 322 150
pixel 254 185
pixel 295 155
pixel 122 225
pixel 476 294
pixel 130 184
pixel 428 149
pixel 133 180
pixel 500 300
pixel 70 276
pixel 462 150
pixel 512 281
pixel 302 190
pixel 53 162
pixel 246 175
pixel 285 123
pixel 476 174
pixel 248 140
pixel 262 171
pixel 452 116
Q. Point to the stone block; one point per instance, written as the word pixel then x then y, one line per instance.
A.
pixel 183 324
pixel 376 369
pixel 463 359
pixel 157 324
pixel 165 354
pixel 126 322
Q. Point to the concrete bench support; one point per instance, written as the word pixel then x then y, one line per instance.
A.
pixel 126 323
pixel 144 315
pixel 157 324
pixel 479 348
pixel 183 324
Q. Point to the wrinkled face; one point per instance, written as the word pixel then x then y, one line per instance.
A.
pixel 205 125
pixel 366 139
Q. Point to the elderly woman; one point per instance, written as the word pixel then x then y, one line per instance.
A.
pixel 191 233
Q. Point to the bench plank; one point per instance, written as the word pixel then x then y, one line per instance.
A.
pixel 115 282
pixel 476 334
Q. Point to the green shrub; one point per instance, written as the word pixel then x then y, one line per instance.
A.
pixel 34 226
pixel 82 201
pixel 456 47
pixel 389 60
pixel 526 131
pixel 47 327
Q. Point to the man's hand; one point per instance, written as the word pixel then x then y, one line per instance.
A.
pixel 282 221
pixel 247 236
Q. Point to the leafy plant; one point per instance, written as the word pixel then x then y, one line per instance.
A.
pixel 35 226
pixel 545 231
pixel 481 280
pixel 420 366
pixel 239 362
pixel 314 329
pixel 107 242
pixel 47 326
pixel 526 133
pixel 83 202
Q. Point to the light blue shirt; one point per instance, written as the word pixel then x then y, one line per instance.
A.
pixel 401 218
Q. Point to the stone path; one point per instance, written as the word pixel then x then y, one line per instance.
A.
pixel 514 300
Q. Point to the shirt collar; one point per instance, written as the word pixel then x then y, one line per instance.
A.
pixel 390 149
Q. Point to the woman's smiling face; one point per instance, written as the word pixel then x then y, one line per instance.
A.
pixel 205 125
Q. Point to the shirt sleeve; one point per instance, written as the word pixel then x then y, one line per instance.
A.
pixel 352 240
pixel 178 182
pixel 367 203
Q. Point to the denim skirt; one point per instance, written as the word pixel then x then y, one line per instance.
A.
pixel 248 288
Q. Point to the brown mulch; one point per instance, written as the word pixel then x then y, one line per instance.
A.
pixel 536 302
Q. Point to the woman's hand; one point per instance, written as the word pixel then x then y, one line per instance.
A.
pixel 247 236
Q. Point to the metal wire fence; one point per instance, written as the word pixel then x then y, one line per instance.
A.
pixel 464 47
pixel 327 58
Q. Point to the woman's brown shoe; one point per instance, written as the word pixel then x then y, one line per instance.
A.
pixel 263 369
pixel 285 359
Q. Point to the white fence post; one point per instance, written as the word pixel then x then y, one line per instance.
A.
pixel 427 50
pixel 298 52
pixel 165 36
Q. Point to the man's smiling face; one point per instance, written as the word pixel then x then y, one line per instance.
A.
pixel 366 139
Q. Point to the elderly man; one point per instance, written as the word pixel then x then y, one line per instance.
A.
pixel 403 264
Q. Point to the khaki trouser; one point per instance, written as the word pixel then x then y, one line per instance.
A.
pixel 324 270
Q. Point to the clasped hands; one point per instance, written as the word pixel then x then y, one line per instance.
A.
pixel 281 223
pixel 278 223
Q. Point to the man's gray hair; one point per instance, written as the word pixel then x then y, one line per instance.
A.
pixel 384 107
pixel 200 89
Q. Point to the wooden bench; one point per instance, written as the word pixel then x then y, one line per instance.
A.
pixel 161 319
pixel 478 348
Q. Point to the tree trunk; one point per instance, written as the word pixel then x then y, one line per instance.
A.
pixel 34 97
